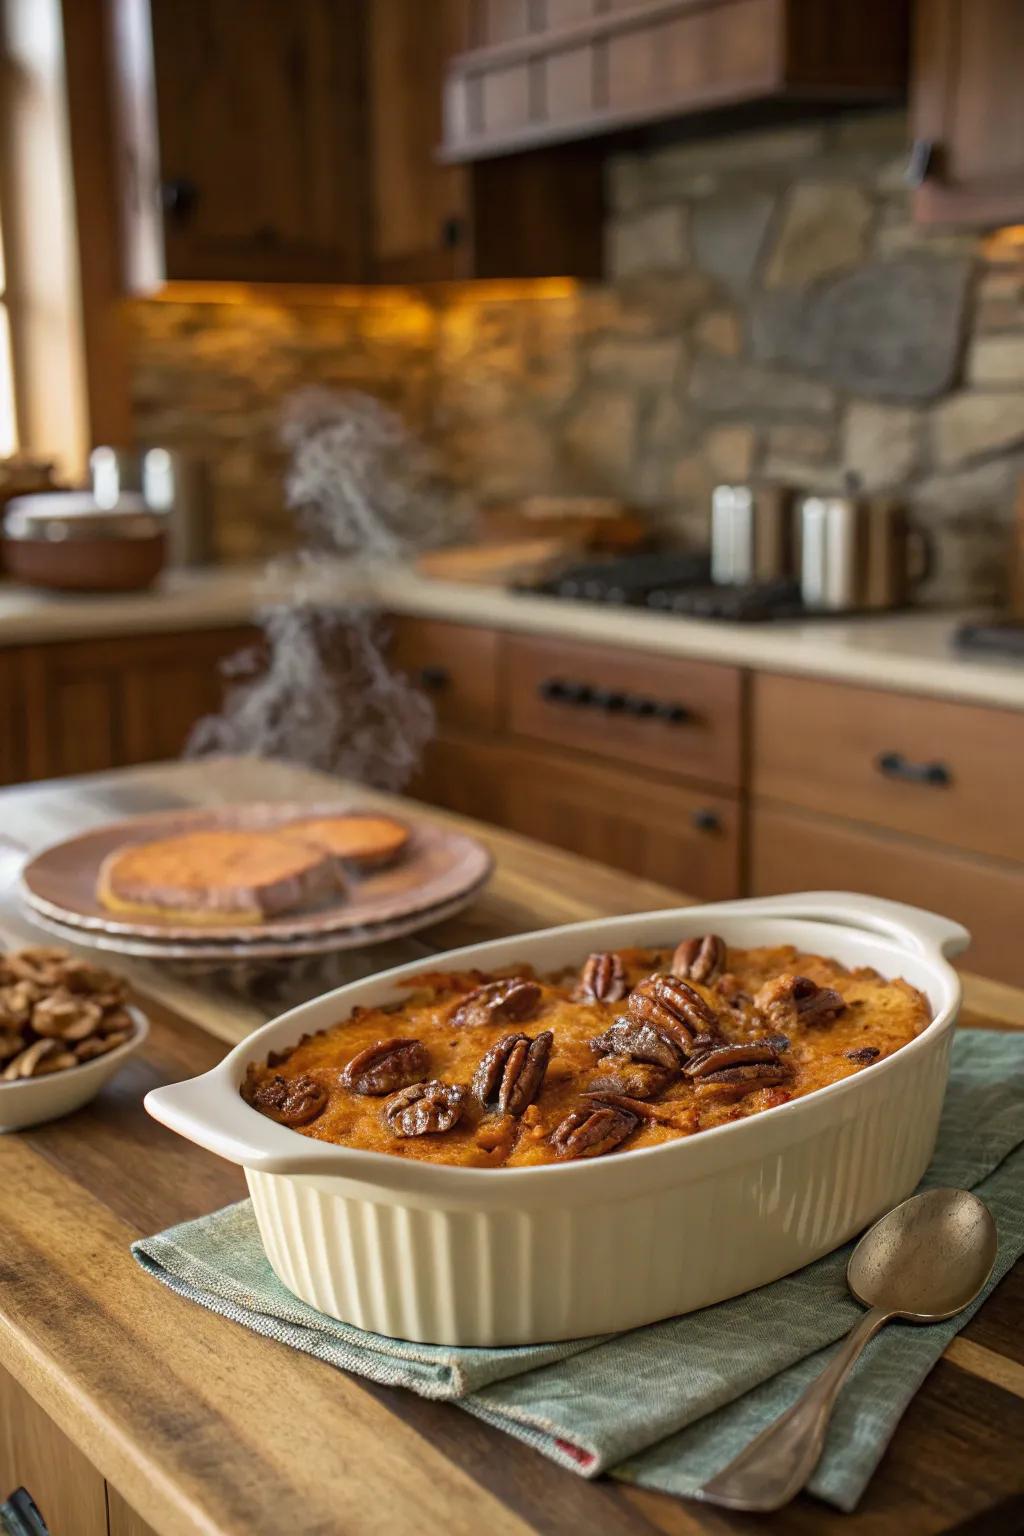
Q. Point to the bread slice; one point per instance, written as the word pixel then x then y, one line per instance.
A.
pixel 365 842
pixel 218 876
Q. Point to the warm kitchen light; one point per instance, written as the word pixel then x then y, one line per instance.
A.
pixel 329 296
pixel 1005 244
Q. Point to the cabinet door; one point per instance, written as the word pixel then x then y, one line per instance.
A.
pixel 36 1456
pixel 795 851
pixel 968 104
pixel 259 153
pixel 12 714
pixel 419 208
pixel 100 704
pixel 634 822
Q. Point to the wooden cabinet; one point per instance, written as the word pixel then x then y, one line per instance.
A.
pixel 241 139
pixel 968 111
pixel 12 713
pixel 527 215
pixel 635 821
pixel 456 664
pixel 561 69
pixel 96 704
pixel 66 1488
pixel 679 717
pixel 793 850
pixel 924 767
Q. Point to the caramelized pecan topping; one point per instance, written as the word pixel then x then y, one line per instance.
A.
pixel 862 1054
pixel 701 959
pixel 640 1042
pixel 668 1115
pixel 670 1005
pixel 591 1131
pixel 727 987
pixel 513 997
pixel 788 997
pixel 289 1102
pixel 635 1079
pixel 510 1073
pixel 602 979
pixel 423 1109
pixel 386 1066
pixel 711 1063
pixel 754 1074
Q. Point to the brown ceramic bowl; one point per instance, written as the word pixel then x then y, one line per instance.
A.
pixel 66 542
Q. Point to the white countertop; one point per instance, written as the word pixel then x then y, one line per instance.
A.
pixel 906 652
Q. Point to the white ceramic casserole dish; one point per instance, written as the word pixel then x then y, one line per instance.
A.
pixel 468 1256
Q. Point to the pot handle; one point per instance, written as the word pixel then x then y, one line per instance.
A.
pixel 929 933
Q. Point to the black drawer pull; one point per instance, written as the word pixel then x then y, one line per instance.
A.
pixel 21 1517
pixel 434 678
pixel 706 820
pixel 563 690
pixel 895 766
pixel 560 690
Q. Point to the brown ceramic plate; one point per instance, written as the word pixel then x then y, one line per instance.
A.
pixel 437 867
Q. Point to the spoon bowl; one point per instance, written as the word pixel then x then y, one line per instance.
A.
pixel 928 1258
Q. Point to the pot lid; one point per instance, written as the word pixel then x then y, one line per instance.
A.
pixel 63 516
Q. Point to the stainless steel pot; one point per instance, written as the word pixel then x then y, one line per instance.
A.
pixel 857 555
pixel 751 534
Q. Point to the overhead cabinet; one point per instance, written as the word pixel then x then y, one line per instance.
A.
pixel 545 71
pixel 968 111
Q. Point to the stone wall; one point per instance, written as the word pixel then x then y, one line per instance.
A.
pixel 771 312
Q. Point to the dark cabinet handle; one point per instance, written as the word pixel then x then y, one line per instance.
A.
pixel 179 196
pixel 20 1517
pixel 895 766
pixel 434 678
pixel 706 820
pixel 453 233
pixel 561 690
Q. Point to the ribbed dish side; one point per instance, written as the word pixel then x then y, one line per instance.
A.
pixel 478 1276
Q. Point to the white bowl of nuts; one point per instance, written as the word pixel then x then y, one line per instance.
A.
pixel 65 1028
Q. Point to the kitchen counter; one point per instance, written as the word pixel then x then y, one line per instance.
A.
pixel 204 1429
pixel 908 653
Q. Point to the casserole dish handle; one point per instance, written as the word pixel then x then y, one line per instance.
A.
pixel 201 1111
pixel 927 932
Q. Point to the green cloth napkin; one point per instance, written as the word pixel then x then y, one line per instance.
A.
pixel 669 1405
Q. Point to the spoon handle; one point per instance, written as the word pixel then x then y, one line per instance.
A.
pixel 773 1468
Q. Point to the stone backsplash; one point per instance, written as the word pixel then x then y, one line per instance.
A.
pixel 772 312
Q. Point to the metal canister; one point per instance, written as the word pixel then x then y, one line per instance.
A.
pixel 751 534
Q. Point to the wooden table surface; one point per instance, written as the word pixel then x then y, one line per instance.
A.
pixel 206 1428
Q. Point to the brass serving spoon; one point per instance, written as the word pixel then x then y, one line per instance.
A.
pixel 923 1262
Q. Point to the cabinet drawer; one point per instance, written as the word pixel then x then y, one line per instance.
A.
pixel 640 823
pixel 678 717
pixel 925 767
pixel 794 850
pixel 457 664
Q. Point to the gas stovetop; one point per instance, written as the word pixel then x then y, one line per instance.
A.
pixel 669 581
pixel 992 637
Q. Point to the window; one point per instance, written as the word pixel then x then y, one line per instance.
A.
pixel 8 421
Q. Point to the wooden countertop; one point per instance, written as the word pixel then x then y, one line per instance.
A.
pixel 208 1430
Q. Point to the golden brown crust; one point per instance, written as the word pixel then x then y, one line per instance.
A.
pixel 366 842
pixel 616 1076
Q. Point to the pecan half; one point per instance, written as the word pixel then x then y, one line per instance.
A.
pixel 423 1109
pixel 386 1066
pixel 786 998
pixel 640 1042
pixel 64 1017
pixel 591 1131
pixel 294 1101
pixel 862 1054
pixel 602 979
pixel 635 1079
pixel 754 1074
pixel 711 1063
pixel 671 1005
pixel 701 959
pixel 511 1072
pixel 513 997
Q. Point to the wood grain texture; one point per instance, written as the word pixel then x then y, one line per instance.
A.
pixel 456 664
pixel 34 1455
pixel 817 745
pixel 203 1429
pixel 705 745
pixel 798 850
